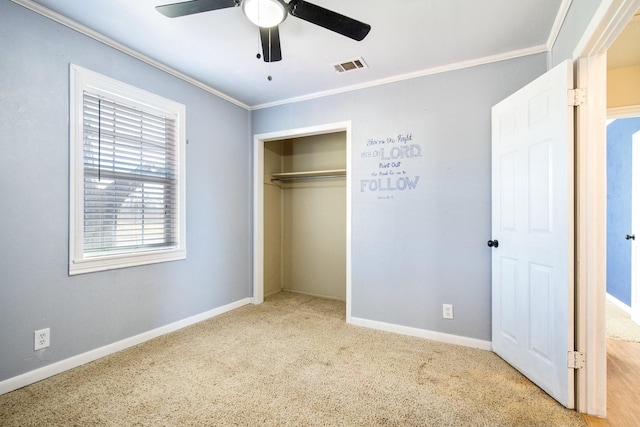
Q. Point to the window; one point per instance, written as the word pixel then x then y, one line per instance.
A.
pixel 127 175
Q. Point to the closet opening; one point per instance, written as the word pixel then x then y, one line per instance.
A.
pixel 305 216
pixel 302 213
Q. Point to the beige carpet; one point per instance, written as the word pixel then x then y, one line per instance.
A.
pixel 619 324
pixel 292 361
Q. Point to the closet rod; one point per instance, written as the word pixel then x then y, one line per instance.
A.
pixel 300 178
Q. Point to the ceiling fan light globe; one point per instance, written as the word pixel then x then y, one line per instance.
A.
pixel 264 13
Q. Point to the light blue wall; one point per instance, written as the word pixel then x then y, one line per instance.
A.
pixel 426 246
pixel 411 254
pixel 578 17
pixel 619 167
pixel 92 310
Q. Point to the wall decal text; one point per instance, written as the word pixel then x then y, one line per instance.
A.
pixel 391 157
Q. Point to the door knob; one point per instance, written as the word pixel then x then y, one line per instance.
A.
pixel 492 243
pixel 631 237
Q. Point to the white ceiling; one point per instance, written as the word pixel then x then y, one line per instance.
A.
pixel 408 37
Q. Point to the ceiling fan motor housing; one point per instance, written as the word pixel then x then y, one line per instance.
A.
pixel 268 14
pixel 265 13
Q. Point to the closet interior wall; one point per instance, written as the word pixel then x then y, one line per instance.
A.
pixel 305 220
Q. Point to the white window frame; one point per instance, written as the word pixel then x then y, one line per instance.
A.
pixel 82 80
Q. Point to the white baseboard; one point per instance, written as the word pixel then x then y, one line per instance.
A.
pixel 635 314
pixel 75 361
pixel 619 303
pixel 423 333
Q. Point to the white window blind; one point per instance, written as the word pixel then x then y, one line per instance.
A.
pixel 127 176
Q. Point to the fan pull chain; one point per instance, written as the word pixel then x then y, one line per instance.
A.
pixel 270 57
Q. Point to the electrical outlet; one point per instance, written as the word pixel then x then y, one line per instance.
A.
pixel 41 339
pixel 447 311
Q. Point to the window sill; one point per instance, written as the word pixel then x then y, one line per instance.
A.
pixel 112 262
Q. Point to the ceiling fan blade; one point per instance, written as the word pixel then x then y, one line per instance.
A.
pixel 194 6
pixel 328 19
pixel 270 39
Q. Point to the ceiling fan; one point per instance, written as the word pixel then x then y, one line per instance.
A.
pixel 268 14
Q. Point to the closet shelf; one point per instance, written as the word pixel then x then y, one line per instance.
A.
pixel 297 176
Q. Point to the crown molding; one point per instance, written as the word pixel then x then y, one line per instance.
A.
pixel 557 24
pixel 408 76
pixel 35 7
pixel 48 13
pixel 623 112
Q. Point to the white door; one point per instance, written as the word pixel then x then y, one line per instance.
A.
pixel 532 222
pixel 635 226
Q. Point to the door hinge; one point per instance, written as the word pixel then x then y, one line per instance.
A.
pixel 575 360
pixel 577 97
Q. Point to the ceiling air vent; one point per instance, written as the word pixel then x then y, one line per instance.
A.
pixel 354 64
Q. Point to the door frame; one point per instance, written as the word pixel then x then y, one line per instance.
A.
pixel 258 200
pixel 591 73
